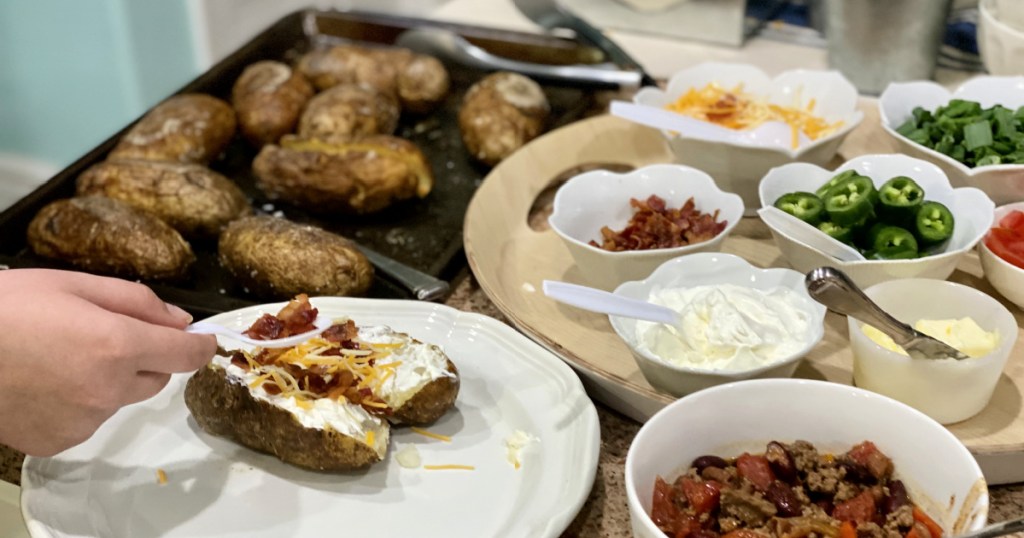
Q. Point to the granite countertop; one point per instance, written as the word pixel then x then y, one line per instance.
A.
pixel 605 513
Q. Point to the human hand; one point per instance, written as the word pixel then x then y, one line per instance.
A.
pixel 75 348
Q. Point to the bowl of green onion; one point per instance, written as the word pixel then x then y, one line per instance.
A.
pixel 899 215
pixel 975 133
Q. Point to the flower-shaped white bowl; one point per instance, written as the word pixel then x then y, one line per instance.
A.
pixel 739 164
pixel 948 390
pixel 971 208
pixel 703 270
pixel 600 198
pixel 743 417
pixel 1006 278
pixel 1000 44
pixel 1003 183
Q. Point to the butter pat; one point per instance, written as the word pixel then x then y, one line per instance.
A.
pixel 963 334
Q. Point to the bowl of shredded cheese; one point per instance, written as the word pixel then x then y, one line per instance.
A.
pixel 755 122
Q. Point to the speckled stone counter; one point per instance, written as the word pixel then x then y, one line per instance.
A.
pixel 605 513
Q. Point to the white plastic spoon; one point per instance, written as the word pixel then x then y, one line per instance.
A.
pixel 602 302
pixel 808 235
pixel 201 327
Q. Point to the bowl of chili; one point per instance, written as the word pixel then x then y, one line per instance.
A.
pixel 1002 253
pixel 621 227
pixel 903 212
pixel 973 133
pixel 780 457
pixel 819 109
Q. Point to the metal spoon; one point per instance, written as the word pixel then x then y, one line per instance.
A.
pixel 202 327
pixel 996 529
pixel 832 288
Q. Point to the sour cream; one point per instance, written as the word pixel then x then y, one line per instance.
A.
pixel 727 327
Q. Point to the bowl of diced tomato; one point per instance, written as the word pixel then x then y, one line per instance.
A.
pixel 1002 253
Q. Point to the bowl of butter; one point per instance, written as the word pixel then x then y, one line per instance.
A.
pixel 947 390
pixel 736 322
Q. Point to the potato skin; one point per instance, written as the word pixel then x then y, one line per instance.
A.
pixel 500 114
pixel 268 98
pixel 431 402
pixel 193 199
pixel 279 259
pixel 187 128
pixel 103 235
pixel 228 410
pixel 349 110
pixel 330 176
pixel 347 64
pixel 421 82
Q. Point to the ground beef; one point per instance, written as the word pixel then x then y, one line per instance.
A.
pixel 846 491
pixel 722 476
pixel 728 523
pixel 902 517
pixel 747 506
pixel 872 530
pixel 825 479
pixel 804 455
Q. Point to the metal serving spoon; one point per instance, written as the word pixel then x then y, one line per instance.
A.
pixel 202 327
pixel 996 529
pixel 832 288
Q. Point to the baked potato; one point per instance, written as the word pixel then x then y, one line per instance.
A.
pixel 419 81
pixel 187 128
pixel 277 258
pixel 347 176
pixel 349 110
pixel 104 235
pixel 193 199
pixel 500 114
pixel 268 98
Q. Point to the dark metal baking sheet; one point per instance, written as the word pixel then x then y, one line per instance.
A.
pixel 424 234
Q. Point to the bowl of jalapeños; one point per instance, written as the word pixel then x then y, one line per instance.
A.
pixel 975 134
pixel 901 213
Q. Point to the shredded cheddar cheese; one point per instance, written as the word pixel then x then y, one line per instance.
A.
pixel 369 437
pixel 734 109
pixel 426 433
pixel 449 467
pixel 161 477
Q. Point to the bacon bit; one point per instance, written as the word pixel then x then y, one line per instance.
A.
pixel 267 327
pixel 161 477
pixel 296 317
pixel 654 226
pixel 342 333
pixel 238 359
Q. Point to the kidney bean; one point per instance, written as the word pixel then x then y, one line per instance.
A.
pixel 897 497
pixel 780 461
pixel 785 501
pixel 704 462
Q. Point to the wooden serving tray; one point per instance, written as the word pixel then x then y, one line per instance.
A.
pixel 510 259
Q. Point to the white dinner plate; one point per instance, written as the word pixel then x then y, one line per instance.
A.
pixel 108 485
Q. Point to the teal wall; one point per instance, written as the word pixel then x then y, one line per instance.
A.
pixel 72 72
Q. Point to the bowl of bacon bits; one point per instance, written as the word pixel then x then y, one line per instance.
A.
pixel 1002 253
pixel 752 122
pixel 771 458
pixel 620 227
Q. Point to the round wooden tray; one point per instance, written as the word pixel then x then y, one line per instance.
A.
pixel 510 259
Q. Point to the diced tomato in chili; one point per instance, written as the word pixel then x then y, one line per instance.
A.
pixel 756 470
pixel 868 456
pixel 1007 244
pixel 664 511
pixel 702 496
pixel 860 509
pixel 686 526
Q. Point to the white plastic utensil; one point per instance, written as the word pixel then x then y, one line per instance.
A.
pixel 602 302
pixel 769 133
pixel 808 235
pixel 211 328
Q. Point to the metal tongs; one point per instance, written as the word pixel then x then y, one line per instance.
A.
pixel 832 288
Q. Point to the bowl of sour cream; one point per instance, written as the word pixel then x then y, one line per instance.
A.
pixel 736 322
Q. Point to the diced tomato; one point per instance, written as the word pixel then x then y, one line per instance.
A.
pixel 1007 244
pixel 755 469
pixel 933 528
pixel 664 511
pixel 686 526
pixel 867 455
pixel 1013 220
pixel 702 496
pixel 847 530
pixel 860 509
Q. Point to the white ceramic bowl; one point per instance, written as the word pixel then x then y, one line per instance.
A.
pixel 730 419
pixel 709 269
pixel 1000 44
pixel 600 198
pixel 971 208
pixel 1006 278
pixel 1004 183
pixel 946 390
pixel 738 165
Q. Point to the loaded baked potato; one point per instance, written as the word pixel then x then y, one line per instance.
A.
pixel 347 176
pixel 276 258
pixel 193 199
pixel 104 235
pixel 324 404
pixel 349 110
pixel 187 128
pixel 500 114
pixel 268 98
